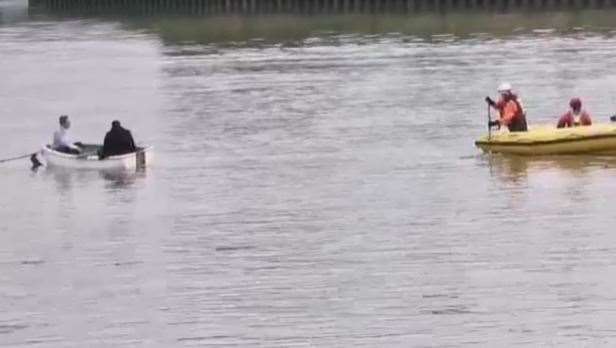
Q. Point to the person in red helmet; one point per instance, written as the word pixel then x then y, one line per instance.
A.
pixel 511 111
pixel 576 116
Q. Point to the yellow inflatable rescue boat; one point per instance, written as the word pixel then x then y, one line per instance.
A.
pixel 597 139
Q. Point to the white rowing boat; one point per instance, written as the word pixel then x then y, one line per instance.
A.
pixel 89 159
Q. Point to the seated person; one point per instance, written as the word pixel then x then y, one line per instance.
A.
pixel 61 139
pixel 575 116
pixel 118 141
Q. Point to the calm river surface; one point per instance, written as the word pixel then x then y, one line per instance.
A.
pixel 314 187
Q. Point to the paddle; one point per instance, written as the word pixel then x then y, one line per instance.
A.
pixel 35 162
pixel 490 104
pixel 489 123
pixel 14 158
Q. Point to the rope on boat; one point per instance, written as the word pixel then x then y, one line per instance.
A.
pixel 16 158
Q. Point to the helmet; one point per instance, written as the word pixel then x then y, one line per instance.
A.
pixel 504 87
pixel 575 103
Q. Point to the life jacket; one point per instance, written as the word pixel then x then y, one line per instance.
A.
pixel 569 119
pixel 518 122
pixel 582 119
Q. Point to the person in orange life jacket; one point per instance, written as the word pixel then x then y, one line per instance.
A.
pixel 510 109
pixel 574 117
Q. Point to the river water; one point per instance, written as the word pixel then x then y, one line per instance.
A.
pixel 315 183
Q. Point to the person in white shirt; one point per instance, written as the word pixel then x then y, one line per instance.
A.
pixel 61 139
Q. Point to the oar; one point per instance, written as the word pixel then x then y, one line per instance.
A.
pixel 489 123
pixel 35 162
pixel 14 158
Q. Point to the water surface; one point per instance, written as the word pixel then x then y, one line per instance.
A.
pixel 317 189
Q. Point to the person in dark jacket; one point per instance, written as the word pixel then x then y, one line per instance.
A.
pixel 118 141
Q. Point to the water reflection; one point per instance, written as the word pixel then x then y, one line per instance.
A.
pixel 118 179
pixel 291 31
pixel 12 11
pixel 516 169
pixel 68 180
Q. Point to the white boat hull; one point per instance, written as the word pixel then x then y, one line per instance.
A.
pixel 139 159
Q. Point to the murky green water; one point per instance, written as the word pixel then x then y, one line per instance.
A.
pixel 315 183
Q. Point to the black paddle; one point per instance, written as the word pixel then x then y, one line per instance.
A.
pixel 14 158
pixel 489 123
pixel 35 162
pixel 491 103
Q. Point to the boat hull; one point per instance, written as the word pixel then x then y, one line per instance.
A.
pixel 140 159
pixel 541 141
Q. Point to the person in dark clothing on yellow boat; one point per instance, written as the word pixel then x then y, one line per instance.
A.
pixel 509 106
pixel 118 141
pixel 575 116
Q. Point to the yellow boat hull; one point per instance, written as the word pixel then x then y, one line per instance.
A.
pixel 548 140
